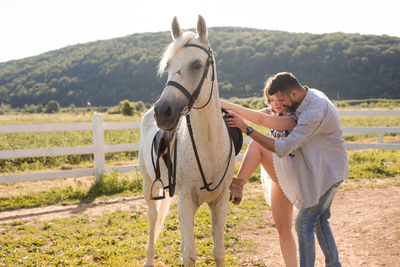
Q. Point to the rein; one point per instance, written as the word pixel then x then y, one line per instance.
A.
pixel 186 111
pixel 196 153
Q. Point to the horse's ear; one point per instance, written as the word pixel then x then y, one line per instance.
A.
pixel 202 29
pixel 176 29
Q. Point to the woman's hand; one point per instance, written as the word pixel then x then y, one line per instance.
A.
pixel 234 120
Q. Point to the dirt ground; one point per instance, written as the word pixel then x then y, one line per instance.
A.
pixel 365 221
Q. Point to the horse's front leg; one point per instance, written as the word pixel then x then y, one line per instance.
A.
pixel 187 210
pixel 219 210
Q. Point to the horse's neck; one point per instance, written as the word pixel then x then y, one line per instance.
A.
pixel 208 117
pixel 207 124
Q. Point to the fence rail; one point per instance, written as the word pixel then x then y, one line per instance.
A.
pixel 369 112
pixel 98 149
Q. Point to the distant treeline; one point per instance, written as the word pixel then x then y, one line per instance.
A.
pixel 138 108
pixel 344 66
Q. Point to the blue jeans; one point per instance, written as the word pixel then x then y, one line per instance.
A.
pixel 315 219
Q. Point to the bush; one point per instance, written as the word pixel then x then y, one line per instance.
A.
pixel 140 106
pixel 72 108
pixel 126 108
pixel 39 109
pixel 52 106
pixel 5 109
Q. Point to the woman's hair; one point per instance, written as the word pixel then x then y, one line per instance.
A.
pixel 283 82
pixel 267 101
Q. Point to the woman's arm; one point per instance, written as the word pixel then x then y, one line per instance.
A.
pixel 236 121
pixel 260 118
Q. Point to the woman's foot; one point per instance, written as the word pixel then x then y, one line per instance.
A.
pixel 236 190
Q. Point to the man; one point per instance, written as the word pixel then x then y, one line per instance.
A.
pixel 321 159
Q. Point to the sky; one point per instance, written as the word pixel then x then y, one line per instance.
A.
pixel 32 27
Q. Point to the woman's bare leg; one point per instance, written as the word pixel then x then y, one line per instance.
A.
pixel 250 162
pixel 282 208
pixel 282 211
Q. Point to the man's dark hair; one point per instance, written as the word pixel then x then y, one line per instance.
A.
pixel 283 82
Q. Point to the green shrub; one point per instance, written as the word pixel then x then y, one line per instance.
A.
pixel 52 106
pixel 126 108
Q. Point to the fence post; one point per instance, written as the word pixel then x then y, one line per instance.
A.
pixel 98 143
pixel 380 137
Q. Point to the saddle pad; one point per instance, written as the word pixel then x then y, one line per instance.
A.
pixel 235 133
pixel 161 141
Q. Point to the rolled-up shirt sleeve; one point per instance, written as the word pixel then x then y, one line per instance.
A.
pixel 308 124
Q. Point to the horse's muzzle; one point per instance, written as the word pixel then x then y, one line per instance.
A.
pixel 166 115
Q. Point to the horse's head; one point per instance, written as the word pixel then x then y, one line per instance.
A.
pixel 188 60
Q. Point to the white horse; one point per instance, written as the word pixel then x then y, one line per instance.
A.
pixel 192 89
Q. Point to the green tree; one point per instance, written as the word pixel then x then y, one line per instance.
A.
pixel 126 108
pixel 52 106
pixel 345 66
pixel 140 106
pixel 39 108
pixel 72 108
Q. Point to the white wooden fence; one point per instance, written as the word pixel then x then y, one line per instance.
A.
pixel 348 131
pixel 99 149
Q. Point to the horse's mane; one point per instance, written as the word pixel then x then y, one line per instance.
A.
pixel 173 48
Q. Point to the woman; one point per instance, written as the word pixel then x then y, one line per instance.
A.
pixel 278 178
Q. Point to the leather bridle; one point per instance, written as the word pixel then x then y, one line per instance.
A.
pixel 192 97
pixel 186 111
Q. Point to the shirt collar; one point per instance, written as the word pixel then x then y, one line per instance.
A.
pixel 304 102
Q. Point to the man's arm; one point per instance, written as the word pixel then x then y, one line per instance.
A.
pixel 308 125
pixel 265 141
pixel 295 139
pixel 236 121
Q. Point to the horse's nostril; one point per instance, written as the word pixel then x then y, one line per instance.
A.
pixel 168 112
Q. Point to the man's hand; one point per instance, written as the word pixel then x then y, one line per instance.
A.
pixel 234 120
pixel 236 190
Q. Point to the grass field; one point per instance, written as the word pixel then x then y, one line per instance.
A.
pixel 367 163
pixel 119 238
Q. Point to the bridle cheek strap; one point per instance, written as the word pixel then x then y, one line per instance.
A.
pixel 192 97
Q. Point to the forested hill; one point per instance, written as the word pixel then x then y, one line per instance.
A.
pixel 344 66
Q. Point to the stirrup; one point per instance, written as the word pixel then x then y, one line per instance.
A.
pixel 160 186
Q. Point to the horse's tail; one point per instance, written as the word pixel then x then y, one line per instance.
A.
pixel 156 212
pixel 162 213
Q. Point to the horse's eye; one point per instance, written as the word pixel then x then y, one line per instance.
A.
pixel 197 65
